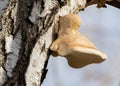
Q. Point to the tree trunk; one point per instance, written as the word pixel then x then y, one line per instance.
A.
pixel 26 34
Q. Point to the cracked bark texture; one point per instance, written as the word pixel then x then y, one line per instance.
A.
pixel 26 34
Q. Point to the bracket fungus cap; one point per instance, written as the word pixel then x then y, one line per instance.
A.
pixel 80 56
pixel 71 44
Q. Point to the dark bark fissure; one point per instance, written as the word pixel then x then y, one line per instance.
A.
pixel 42 5
pixel 2 51
pixel 62 2
pixel 45 70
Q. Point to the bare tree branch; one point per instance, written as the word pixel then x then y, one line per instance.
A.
pixel 101 3
pixel 114 3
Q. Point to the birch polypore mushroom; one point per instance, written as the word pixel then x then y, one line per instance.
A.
pixel 72 45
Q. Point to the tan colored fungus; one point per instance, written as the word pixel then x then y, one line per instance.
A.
pixel 71 44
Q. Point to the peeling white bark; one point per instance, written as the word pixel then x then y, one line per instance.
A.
pixel 37 59
pixel 12 49
pixel 9 41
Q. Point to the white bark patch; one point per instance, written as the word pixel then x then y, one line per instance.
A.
pixel 36 11
pixel 72 7
pixel 9 40
pixel 2 76
pixel 12 47
pixel 37 59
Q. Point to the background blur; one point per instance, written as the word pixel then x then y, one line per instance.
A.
pixel 102 27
